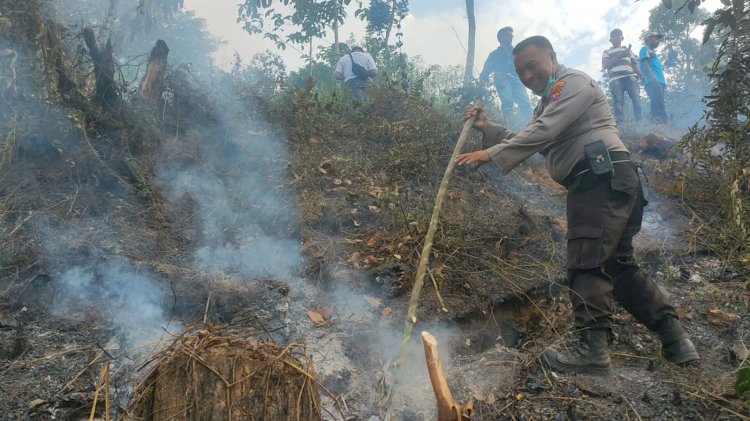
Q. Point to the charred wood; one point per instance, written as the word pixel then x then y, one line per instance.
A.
pixel 152 85
pixel 106 93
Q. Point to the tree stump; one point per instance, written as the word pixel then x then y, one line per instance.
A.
pixel 152 85
pixel 448 409
pixel 209 376
pixel 106 93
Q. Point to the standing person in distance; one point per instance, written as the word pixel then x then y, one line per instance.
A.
pixel 356 69
pixel 509 88
pixel 653 74
pixel 623 73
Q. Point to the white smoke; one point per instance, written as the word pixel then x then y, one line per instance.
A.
pixel 112 289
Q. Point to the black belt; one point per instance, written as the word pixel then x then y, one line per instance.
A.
pixel 582 166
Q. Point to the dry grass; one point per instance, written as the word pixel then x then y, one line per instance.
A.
pixel 215 371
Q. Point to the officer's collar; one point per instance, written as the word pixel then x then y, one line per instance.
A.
pixel 558 71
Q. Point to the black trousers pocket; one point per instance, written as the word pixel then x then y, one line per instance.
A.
pixel 585 247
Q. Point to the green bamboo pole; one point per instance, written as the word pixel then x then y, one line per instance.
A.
pixel 411 313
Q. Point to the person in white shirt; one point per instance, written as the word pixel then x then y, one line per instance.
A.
pixel 347 72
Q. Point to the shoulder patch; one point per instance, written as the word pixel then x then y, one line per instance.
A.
pixel 556 91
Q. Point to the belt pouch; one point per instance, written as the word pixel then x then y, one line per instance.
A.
pixel 598 158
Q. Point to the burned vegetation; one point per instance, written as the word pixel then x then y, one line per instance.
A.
pixel 179 242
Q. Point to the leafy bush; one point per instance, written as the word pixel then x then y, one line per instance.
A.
pixel 719 153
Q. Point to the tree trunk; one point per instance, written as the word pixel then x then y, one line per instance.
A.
pixel 388 30
pixel 109 19
pixel 152 84
pixel 469 72
pixel 336 28
pixel 311 58
pixel 106 93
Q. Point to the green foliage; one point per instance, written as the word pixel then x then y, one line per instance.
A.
pixel 742 384
pixel 686 62
pixel 381 16
pixel 265 76
pixel 719 167
pixel 311 19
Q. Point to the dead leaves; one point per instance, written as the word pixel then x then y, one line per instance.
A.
pixel 720 318
pixel 326 166
pixel 342 186
pixel 373 241
pixel 354 260
pixel 321 316
pixel 373 302
pixel 316 318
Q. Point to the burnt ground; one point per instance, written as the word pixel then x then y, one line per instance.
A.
pixel 345 196
pixel 491 348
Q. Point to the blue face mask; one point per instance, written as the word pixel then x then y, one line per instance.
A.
pixel 550 82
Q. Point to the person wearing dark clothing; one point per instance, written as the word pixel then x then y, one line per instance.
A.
pixel 623 74
pixel 573 128
pixel 510 90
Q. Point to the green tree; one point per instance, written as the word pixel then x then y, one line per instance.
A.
pixel 686 61
pixel 381 17
pixel 312 19
pixel 717 183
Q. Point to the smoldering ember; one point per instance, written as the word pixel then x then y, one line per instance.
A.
pixel 308 232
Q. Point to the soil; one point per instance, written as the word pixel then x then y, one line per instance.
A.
pixel 359 209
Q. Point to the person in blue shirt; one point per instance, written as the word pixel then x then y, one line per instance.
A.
pixel 653 74
pixel 509 87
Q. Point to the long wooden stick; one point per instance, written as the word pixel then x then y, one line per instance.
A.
pixel 106 391
pixel 411 314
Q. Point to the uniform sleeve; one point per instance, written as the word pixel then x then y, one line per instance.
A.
pixel 569 98
pixel 494 134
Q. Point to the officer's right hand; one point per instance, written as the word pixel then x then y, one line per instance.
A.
pixel 481 121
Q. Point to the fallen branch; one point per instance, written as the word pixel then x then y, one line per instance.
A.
pixel 99 355
pixel 16 364
pixel 437 292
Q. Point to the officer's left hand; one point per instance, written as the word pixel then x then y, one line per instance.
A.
pixel 478 157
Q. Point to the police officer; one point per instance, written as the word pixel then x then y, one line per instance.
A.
pixel 573 128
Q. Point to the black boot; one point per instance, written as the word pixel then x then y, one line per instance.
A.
pixel 589 356
pixel 675 343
